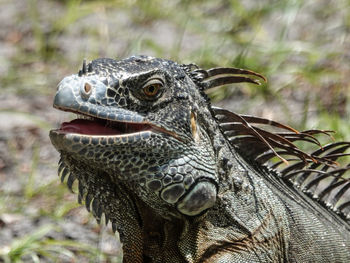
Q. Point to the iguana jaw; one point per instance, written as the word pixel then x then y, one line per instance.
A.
pixel 94 127
pixel 102 127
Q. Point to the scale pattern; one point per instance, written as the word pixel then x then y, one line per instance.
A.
pixel 184 181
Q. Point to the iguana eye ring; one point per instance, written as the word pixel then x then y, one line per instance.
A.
pixel 152 87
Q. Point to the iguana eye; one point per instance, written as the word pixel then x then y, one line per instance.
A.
pixel 152 87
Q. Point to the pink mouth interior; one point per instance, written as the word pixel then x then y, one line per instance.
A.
pixel 92 127
pixel 87 127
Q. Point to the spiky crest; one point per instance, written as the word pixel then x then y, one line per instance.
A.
pixel 317 173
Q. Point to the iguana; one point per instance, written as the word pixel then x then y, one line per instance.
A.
pixel 184 181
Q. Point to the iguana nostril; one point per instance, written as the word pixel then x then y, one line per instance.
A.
pixel 87 87
pixel 85 90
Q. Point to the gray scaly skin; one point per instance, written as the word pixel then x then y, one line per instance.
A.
pixel 149 155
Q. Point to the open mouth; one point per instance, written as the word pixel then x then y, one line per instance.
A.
pixel 95 126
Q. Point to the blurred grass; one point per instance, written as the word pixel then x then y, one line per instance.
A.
pixel 35 246
pixel 280 39
pixel 301 46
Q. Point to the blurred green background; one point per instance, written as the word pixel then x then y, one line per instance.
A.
pixel 301 46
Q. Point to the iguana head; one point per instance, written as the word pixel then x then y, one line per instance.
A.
pixel 143 121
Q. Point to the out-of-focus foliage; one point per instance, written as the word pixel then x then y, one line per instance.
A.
pixel 302 46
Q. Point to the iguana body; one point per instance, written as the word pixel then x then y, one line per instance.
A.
pixel 183 181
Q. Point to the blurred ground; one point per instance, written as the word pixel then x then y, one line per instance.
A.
pixel 302 47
